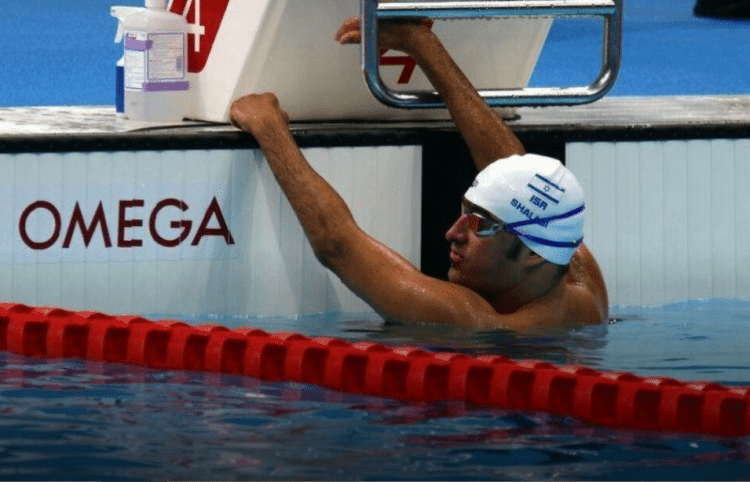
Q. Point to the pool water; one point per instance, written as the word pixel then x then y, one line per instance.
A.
pixel 74 419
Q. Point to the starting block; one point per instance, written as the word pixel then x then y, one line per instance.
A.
pixel 236 47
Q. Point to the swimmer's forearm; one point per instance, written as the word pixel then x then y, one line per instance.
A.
pixel 486 134
pixel 324 216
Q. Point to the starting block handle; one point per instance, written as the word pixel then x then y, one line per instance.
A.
pixel 373 11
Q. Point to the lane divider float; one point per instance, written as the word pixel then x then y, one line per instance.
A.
pixel 409 373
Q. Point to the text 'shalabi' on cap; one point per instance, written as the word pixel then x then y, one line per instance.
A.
pixel 538 198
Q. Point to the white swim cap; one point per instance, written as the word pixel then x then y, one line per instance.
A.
pixel 538 198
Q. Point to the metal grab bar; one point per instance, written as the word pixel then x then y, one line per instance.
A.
pixel 611 10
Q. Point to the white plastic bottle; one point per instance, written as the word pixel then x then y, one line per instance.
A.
pixel 156 84
pixel 121 13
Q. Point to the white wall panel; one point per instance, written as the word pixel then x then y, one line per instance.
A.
pixel 675 243
pixel 742 210
pixel 700 269
pixel 651 221
pixel 627 217
pixel 723 218
pixel 665 219
pixel 270 270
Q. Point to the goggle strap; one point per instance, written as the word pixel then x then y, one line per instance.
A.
pixel 549 242
pixel 527 222
pixel 511 228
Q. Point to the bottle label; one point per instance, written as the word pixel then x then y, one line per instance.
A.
pixel 155 62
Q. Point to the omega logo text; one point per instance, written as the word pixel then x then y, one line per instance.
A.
pixel 129 218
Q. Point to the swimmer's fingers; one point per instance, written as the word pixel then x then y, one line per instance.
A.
pixel 349 32
pixel 255 112
pixel 392 34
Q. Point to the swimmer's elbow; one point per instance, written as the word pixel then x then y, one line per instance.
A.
pixel 331 239
pixel 331 251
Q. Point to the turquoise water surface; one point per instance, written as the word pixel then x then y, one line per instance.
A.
pixel 82 420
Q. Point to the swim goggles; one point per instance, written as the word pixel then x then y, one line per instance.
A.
pixel 480 225
pixel 483 226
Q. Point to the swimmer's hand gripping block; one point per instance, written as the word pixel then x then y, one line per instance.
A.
pixel 606 398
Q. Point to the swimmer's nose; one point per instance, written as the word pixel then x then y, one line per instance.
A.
pixel 458 233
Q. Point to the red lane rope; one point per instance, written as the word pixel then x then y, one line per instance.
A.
pixel 606 398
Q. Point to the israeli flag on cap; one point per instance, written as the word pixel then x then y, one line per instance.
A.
pixel 546 188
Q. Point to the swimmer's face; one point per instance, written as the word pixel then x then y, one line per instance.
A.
pixel 480 253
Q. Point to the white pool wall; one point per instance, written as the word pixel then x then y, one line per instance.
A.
pixel 667 220
pixel 269 270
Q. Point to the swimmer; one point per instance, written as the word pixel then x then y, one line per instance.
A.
pixel 517 261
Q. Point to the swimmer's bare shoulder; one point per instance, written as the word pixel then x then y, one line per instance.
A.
pixel 586 292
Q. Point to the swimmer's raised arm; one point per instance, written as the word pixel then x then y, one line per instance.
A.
pixel 495 279
pixel 486 134
pixel 384 279
pixel 324 216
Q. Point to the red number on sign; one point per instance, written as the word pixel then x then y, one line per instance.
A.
pixel 204 17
